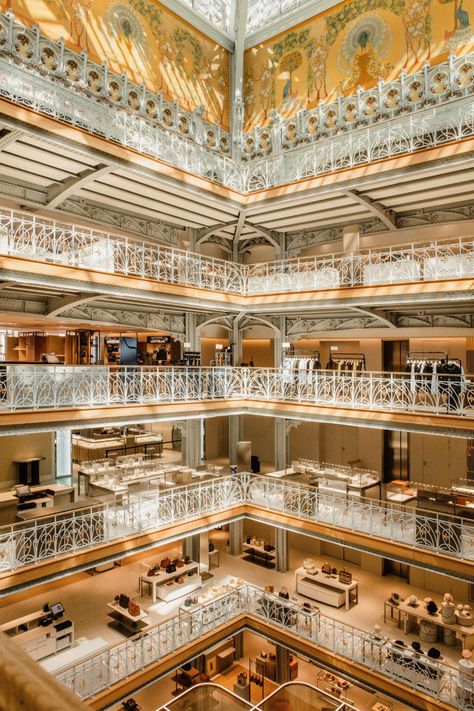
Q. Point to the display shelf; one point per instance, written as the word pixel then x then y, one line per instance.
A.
pixel 326 589
pixel 167 593
pixel 258 554
pixel 132 623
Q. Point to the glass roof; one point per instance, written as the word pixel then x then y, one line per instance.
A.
pixel 220 13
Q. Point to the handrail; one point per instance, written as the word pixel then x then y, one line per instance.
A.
pixel 24 544
pixel 44 240
pixel 102 670
pixel 54 387
pixel 426 109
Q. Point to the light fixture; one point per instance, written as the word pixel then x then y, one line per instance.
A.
pixel 186 345
pixel 219 346
pixel 286 345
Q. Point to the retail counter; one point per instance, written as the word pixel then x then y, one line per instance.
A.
pixel 60 494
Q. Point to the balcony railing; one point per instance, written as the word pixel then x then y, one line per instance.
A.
pixel 71 76
pixel 100 671
pixel 26 544
pixel 51 387
pixel 22 235
pixel 428 88
pixel 47 77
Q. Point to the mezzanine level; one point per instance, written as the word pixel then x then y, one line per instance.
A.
pixel 59 395
pixel 105 676
pixel 63 544
pixel 44 251
pixel 428 109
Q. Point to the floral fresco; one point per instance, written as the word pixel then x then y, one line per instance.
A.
pixel 351 45
pixel 144 40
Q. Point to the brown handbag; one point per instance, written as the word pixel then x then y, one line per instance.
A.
pixel 165 563
pixel 133 609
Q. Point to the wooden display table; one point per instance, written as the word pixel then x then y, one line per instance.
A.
pixel 131 622
pixel 325 589
pixel 160 589
pixel 9 500
pixel 412 615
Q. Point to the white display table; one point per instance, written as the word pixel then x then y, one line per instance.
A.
pixel 326 589
pixel 123 617
pixel 160 589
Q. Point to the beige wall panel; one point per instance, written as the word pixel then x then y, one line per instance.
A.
pixel 39 444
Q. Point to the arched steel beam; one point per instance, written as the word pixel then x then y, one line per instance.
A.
pixel 57 306
pixel 387 216
pixel 58 193
pixel 379 315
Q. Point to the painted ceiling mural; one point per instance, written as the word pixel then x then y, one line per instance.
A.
pixel 351 45
pixel 143 39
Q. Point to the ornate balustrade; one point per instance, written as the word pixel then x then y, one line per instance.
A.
pixel 449 259
pixel 428 88
pixel 50 387
pixel 23 235
pixel 47 77
pixel 426 128
pixel 24 544
pixel 79 77
pixel 104 669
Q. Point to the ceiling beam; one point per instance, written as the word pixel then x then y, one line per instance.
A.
pixel 57 306
pixel 387 216
pixel 58 193
pixel 378 314
pixel 9 136
pixel 205 232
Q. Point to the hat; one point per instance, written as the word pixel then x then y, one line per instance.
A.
pixel 416 646
pixel 434 653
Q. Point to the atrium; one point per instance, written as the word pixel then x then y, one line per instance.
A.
pixel 236 355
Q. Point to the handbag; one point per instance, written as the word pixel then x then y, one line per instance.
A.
pixel 165 563
pixel 171 568
pixel 151 572
pixel 284 594
pixel 211 547
pixel 179 564
pixel 133 609
pixel 123 601
pixel 269 588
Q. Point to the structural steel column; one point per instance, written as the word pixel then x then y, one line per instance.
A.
pixel 236 533
pixel 192 443
pixel 63 440
pixel 280 443
pixel 192 547
pixel 281 545
pixel 282 664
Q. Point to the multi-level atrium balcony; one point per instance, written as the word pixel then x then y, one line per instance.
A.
pixel 409 271
pixel 427 109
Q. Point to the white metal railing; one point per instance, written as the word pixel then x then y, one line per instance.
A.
pixel 51 387
pixel 102 670
pixel 31 237
pixel 431 86
pixel 79 76
pixel 24 544
pixel 47 77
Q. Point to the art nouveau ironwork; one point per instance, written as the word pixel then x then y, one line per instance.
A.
pixel 102 670
pixel 49 387
pixel 26 544
pixel 23 235
pixel 47 77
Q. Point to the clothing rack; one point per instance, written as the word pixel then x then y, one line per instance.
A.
pixel 427 356
pixel 301 353
pixel 348 358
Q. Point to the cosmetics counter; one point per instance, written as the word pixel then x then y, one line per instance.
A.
pixel 332 478
pixel 102 443
pixel 133 472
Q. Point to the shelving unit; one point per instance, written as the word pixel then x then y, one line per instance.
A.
pixel 133 623
pixel 258 554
